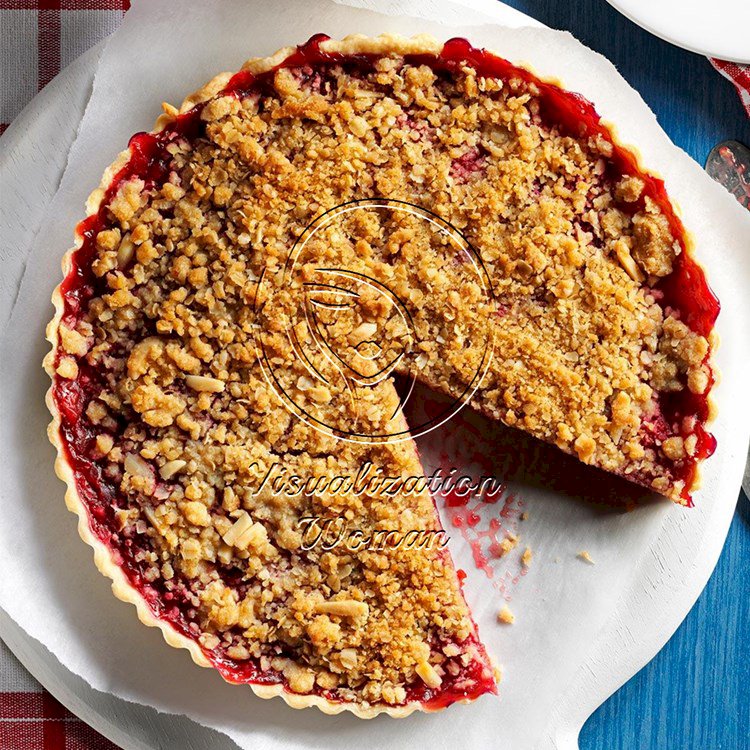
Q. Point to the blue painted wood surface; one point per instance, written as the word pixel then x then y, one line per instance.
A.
pixel 695 695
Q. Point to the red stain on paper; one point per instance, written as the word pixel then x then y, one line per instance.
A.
pixel 487 519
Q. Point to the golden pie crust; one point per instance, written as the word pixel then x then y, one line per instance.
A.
pixel 678 355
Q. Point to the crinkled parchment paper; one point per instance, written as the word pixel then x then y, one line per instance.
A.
pixel 581 629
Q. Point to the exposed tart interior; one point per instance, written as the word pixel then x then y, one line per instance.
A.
pixel 599 319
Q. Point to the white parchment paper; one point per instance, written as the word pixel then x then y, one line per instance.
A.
pixel 581 630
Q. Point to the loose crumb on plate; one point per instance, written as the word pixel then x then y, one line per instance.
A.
pixel 506 616
pixel 586 557
pixel 503 548
pixel 526 557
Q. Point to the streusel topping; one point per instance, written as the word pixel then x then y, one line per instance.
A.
pixel 183 422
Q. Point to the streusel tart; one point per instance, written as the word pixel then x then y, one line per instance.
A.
pixel 252 277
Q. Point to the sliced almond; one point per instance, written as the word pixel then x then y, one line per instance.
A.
pixel 125 252
pixel 428 675
pixel 343 608
pixel 159 524
pixel 138 466
pixel 626 261
pixel 201 383
pixel 255 537
pixel 238 528
pixel 171 468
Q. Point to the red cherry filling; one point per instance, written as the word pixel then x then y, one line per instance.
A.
pixel 471 164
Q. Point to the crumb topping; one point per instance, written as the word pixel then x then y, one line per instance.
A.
pixel 585 556
pixel 184 424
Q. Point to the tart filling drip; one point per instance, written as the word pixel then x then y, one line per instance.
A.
pixel 596 317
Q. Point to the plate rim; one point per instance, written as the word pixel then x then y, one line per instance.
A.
pixel 627 10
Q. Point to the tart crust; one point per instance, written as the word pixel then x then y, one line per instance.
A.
pixel 103 555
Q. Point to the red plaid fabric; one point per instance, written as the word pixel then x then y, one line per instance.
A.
pixel 38 38
pixel 36 721
pixel 739 75
pixel 31 719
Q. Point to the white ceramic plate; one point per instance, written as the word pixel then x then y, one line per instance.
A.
pixel 718 28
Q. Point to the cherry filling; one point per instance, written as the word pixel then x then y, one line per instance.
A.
pixel 469 683
pixel 685 290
